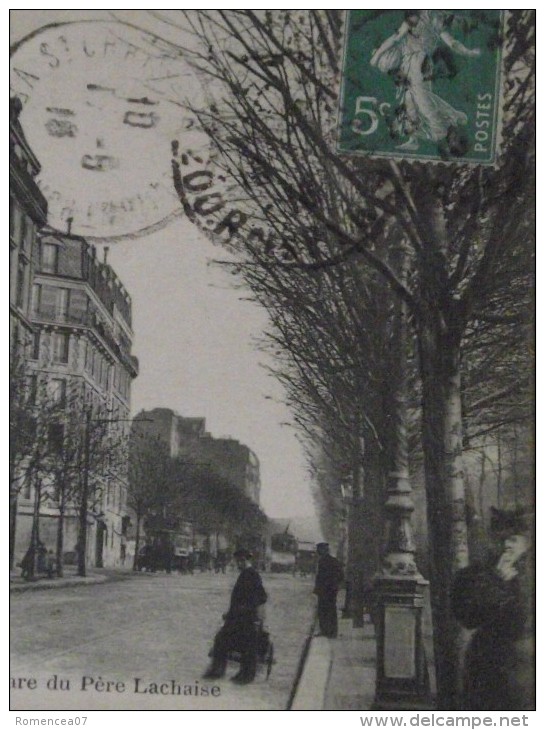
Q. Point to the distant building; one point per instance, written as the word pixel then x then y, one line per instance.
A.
pixel 232 460
pixel 81 354
pixel 187 438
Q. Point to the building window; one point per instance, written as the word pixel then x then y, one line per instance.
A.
pixel 56 391
pixel 50 258
pixel 36 298
pixel 55 437
pixel 60 342
pixel 15 218
pixel 33 389
pixel 105 374
pixel 28 233
pixel 89 358
pixel 21 282
pixel 63 298
pixel 35 350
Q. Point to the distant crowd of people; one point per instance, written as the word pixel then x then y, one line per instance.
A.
pixel 155 557
pixel 38 559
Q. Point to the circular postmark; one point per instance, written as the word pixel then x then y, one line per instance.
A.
pixel 102 102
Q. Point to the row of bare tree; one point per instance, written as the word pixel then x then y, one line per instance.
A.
pixel 182 489
pixel 65 455
pixel 336 247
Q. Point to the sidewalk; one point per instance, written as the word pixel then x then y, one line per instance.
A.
pixel 70 578
pixel 339 674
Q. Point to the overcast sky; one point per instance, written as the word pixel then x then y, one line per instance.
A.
pixel 194 340
pixel 194 335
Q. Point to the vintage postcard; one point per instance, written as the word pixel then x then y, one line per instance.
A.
pixel 271 406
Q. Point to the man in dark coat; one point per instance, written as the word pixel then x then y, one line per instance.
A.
pixel 240 630
pixel 329 577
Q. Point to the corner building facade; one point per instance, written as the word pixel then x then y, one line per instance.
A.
pixel 27 215
pixel 80 359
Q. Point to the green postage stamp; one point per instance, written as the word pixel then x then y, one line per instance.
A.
pixel 422 84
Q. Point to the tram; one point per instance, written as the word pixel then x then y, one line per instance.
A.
pixel 283 551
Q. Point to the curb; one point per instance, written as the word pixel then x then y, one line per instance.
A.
pixel 68 581
pixel 311 688
pixel 19 586
pixel 45 585
pixel 300 667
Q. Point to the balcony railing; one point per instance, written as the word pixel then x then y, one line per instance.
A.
pixel 50 313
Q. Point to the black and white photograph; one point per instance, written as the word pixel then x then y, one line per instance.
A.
pixel 272 361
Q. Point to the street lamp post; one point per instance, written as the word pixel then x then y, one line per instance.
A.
pixel 402 681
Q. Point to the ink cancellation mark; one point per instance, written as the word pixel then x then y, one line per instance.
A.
pixel 101 102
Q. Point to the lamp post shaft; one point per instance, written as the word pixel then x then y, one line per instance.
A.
pixel 402 678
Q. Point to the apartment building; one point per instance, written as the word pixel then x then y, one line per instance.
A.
pixel 189 439
pixel 80 360
pixel 28 212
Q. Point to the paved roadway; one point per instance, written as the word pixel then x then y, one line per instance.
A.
pixel 154 627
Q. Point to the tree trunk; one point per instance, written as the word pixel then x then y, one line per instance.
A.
pixel 136 542
pixel 82 541
pixel 13 497
pixel 35 534
pixel 60 542
pixel 84 501
pixel 442 447
pixel 499 474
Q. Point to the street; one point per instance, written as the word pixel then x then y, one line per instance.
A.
pixel 142 643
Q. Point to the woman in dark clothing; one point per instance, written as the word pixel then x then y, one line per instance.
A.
pixel 493 599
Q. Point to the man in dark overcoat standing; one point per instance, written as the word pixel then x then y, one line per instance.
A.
pixel 329 577
pixel 240 630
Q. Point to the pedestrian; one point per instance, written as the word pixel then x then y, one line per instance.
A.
pixel 168 556
pixel 191 562
pixel 240 631
pixel 27 563
pixel 50 563
pixel 123 549
pixel 41 558
pixel 220 562
pixel 496 599
pixel 329 577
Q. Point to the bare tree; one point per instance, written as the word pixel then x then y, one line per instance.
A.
pixel 290 195
pixel 272 126
pixel 149 485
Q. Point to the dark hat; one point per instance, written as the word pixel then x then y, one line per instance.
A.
pixel 508 522
pixel 322 545
pixel 242 553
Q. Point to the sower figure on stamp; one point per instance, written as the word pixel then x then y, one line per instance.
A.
pixel 329 577
pixel 240 630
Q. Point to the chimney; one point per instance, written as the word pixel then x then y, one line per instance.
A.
pixel 69 225
pixel 106 249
